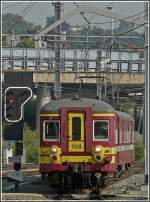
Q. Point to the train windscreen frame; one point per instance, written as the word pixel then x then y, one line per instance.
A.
pixel 51 130
pixel 101 130
pixel 76 128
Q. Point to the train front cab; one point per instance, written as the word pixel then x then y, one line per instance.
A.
pixel 77 139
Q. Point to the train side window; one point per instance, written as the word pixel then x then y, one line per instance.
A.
pixel 76 128
pixel 125 132
pixel 132 132
pixel 129 132
pixel 116 130
pixel 120 134
pixel 100 130
pixel 51 130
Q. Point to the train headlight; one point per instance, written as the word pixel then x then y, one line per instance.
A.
pixel 98 149
pixel 98 158
pixel 54 158
pixel 54 149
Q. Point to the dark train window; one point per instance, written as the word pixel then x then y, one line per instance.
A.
pixel 52 130
pixel 100 130
pixel 76 128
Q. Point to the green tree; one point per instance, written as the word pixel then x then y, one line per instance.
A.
pixel 31 145
pixel 15 22
pixel 18 24
pixel 139 150
pixel 51 19
pixel 26 43
pixel 4 42
pixel 127 105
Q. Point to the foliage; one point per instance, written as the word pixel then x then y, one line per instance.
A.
pixel 118 42
pixel 139 150
pixel 51 19
pixel 127 105
pixel 26 43
pixel 31 145
pixel 123 27
pixel 18 24
pixel 30 113
pixel 4 42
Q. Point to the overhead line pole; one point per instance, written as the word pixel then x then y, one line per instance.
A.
pixel 146 106
pixel 57 81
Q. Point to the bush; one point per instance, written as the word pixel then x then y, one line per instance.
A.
pixel 139 150
pixel 26 43
pixel 31 145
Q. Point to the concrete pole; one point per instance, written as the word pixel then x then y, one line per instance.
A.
pixel 57 82
pixel 118 98
pixel 112 27
pixel 75 61
pixel 130 63
pixel 98 80
pixel 146 108
pixel 140 63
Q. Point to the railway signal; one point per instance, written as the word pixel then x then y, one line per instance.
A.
pixel 15 175
pixel 15 98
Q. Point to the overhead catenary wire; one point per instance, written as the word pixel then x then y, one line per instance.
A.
pixel 125 26
pixel 12 5
pixel 82 14
pixel 29 9
pixel 121 34
pixel 108 22
pixel 114 38
pixel 25 12
pixel 133 20
pixel 103 8
pixel 87 53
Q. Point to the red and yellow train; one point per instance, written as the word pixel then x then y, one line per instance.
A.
pixel 84 140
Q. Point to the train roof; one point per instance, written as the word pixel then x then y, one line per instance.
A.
pixel 123 114
pixel 97 106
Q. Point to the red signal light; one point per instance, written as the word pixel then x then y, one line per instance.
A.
pixel 10 101
pixel 15 98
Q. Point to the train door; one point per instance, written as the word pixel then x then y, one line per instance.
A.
pixel 76 132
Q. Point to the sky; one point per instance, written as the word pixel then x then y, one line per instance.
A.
pixel 41 10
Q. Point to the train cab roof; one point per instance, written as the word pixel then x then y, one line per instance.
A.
pixel 97 106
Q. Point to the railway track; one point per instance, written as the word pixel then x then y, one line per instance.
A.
pixel 24 166
pixel 38 190
pixel 27 169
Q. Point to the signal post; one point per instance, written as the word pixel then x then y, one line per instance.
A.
pixel 15 98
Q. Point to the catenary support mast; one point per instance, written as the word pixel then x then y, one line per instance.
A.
pixel 57 82
pixel 146 108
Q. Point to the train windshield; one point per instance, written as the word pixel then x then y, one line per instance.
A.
pixel 52 130
pixel 100 130
pixel 76 128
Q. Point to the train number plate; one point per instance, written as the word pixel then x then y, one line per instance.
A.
pixel 76 146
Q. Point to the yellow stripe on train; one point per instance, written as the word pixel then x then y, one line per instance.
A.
pixel 106 150
pixel 73 159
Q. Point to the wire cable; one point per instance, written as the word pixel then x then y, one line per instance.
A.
pixel 121 34
pixel 12 5
pixel 132 24
pixel 82 14
pixel 108 22
pixel 25 12
pixel 96 14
